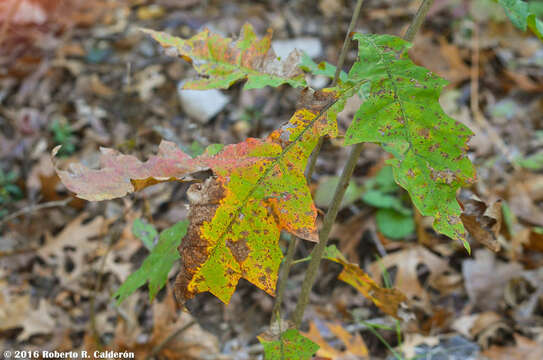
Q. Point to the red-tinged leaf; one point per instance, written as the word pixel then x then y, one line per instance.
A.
pixel 388 300
pixel 224 61
pixel 122 174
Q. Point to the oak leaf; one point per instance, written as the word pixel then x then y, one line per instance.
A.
pixel 225 61
pixel 388 300
pixel 401 111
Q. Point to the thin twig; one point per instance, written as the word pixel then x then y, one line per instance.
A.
pixel 283 276
pixel 418 20
pixel 293 244
pixel 347 41
pixel 172 336
pixel 33 208
pixel 329 219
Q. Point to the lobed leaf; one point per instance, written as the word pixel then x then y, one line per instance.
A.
pixel 157 265
pixel 402 112
pixel 236 217
pixel 224 61
pixel 122 174
pixel 290 345
pixel 520 15
pixel 388 300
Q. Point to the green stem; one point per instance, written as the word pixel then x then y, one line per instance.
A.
pixel 418 20
pixel 283 276
pixel 347 41
pixel 330 217
pixel 293 244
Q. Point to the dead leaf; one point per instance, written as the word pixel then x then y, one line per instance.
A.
pixel 483 221
pixel 71 245
pixel 354 346
pixel 38 321
pixel 525 349
pixel 442 277
pixel 485 278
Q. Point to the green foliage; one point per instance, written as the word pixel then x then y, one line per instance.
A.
pixel 394 224
pixel 63 135
pixel 9 191
pixel 323 68
pixel 394 219
pixel 157 265
pixel 522 16
pixel 290 345
pixel 402 112
pixel 145 232
pixel 325 192
pixel 532 162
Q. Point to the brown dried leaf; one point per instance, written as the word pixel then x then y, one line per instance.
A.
pixel 442 277
pixel 483 221
pixel 354 345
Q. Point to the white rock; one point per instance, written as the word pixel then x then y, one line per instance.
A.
pixel 311 46
pixel 202 105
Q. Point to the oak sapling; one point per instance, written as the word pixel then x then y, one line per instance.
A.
pixel 258 188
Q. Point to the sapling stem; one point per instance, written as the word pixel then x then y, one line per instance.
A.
pixel 291 250
pixel 330 217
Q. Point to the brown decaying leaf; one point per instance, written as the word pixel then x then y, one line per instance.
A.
pixel 483 221
pixel 525 349
pixel 75 235
pixel 353 344
pixel 442 277
pixel 485 279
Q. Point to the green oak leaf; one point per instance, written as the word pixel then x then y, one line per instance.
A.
pixel 522 17
pixel 290 345
pixel 401 112
pixel 145 232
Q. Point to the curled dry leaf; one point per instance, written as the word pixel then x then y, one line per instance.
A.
pixel 388 300
pixel 483 221
pixel 225 61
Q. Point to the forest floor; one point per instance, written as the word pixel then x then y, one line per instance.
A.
pixel 81 74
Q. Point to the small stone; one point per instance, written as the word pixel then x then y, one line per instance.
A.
pixel 311 46
pixel 202 105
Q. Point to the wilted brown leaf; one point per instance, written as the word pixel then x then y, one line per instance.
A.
pixel 483 221
pixel 353 344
